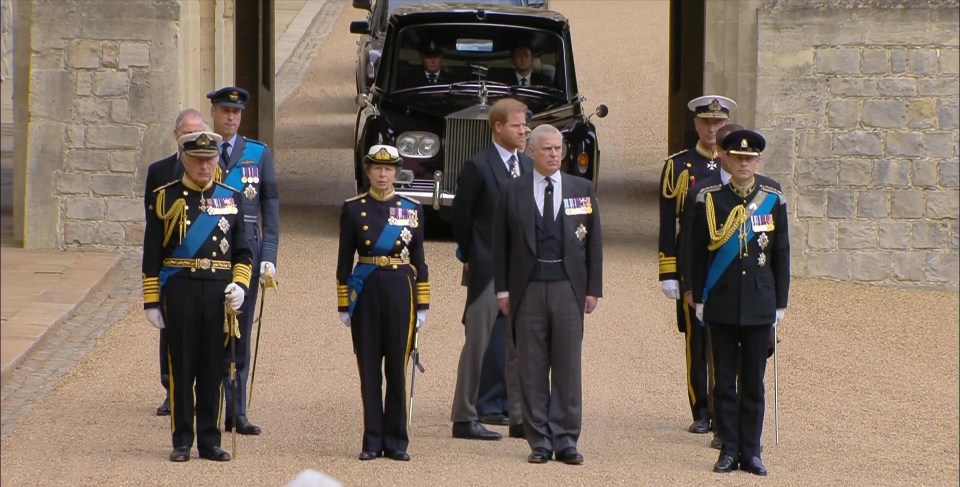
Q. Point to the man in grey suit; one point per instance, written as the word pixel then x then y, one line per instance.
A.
pixel 548 272
pixel 473 213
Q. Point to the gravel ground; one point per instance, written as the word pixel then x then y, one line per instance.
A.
pixel 868 376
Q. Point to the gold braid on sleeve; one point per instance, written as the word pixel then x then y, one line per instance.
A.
pixel 734 220
pixel 675 189
pixel 175 217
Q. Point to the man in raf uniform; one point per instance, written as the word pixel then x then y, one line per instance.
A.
pixel 247 166
pixel 382 298
pixel 195 259
pixel 158 174
pixel 740 268
pixel 681 172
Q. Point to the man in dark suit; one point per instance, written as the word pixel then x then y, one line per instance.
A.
pixel 523 73
pixel 740 268
pixel 432 72
pixel 548 268
pixel 247 166
pixel 160 173
pixel 474 210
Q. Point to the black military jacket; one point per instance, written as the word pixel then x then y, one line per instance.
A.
pixel 362 220
pixel 681 174
pixel 757 282
pixel 221 249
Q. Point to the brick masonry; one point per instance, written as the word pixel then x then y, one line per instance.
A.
pixel 870 112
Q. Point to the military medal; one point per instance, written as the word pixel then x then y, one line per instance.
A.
pixel 221 206
pixel 763 240
pixel 223 224
pixel 250 192
pixel 577 206
pixel 712 165
pixel 762 223
pixel 581 232
pixel 224 245
pixel 762 259
pixel 406 236
pixel 403 217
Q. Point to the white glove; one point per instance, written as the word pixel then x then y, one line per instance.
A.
pixel 234 295
pixel 267 269
pixel 670 288
pixel 345 319
pixel 780 313
pixel 154 317
pixel 699 311
pixel 421 317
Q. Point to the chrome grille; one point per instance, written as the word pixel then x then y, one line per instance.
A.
pixel 467 132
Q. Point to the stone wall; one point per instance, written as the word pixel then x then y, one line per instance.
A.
pixel 859 104
pixel 6 39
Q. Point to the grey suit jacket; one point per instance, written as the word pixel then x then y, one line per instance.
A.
pixel 474 207
pixel 262 209
pixel 515 241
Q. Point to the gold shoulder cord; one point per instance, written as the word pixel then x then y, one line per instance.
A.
pixel 218 175
pixel 734 220
pixel 176 216
pixel 675 190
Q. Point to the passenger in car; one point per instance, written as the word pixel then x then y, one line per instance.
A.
pixel 523 73
pixel 432 72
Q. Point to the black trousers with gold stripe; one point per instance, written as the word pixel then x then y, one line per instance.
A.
pixel 194 331
pixel 698 360
pixel 382 328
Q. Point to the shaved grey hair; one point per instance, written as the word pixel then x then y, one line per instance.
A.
pixel 189 112
pixel 539 132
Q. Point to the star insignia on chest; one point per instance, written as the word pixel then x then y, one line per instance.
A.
pixel 762 260
pixel 406 236
pixel 224 246
pixel 712 165
pixel 581 232
pixel 250 192
pixel 224 225
pixel 405 254
pixel 763 240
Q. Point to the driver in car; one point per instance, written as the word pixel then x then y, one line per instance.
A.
pixel 523 73
pixel 432 72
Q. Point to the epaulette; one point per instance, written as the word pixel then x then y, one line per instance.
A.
pixel 675 154
pixel 231 188
pixel 771 189
pixel 254 141
pixel 361 195
pixel 707 189
pixel 409 198
pixel 158 188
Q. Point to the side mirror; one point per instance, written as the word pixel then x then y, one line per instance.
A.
pixel 359 27
pixel 361 4
pixel 600 112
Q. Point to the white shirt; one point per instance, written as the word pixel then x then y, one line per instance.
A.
pixel 522 77
pixel 724 176
pixel 505 157
pixel 540 185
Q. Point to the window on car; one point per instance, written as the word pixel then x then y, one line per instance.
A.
pixel 512 56
pixel 385 7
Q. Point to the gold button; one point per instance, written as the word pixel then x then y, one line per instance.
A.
pixel 365 228
pixel 396 255
pixel 398 242
pixel 214 238
pixel 213 270
pixel 185 193
pixel 363 200
pixel 394 266
pixel 214 254
pixel 185 207
pixel 744 272
pixel 188 222
pixel 193 269
pixel 367 242
pixel 688 164
pixel 363 213
pixel 398 203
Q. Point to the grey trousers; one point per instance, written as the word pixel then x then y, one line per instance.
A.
pixel 478 327
pixel 549 329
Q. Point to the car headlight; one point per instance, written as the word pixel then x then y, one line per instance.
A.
pixel 418 144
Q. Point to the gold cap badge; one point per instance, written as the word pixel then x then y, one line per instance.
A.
pixel 744 144
pixel 203 140
pixel 714 106
pixel 234 96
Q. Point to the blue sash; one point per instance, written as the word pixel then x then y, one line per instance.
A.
pixel 251 151
pixel 196 235
pixel 362 271
pixel 731 249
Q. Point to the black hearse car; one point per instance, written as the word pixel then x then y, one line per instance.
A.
pixel 437 127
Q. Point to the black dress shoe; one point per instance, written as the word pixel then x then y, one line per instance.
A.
pixel 516 431
pixel 754 466
pixel 164 409
pixel 244 427
pixel 570 456
pixel 369 455
pixel 716 443
pixel 539 455
pixel 700 427
pixel 496 419
pixel 473 430
pixel 180 454
pixel 400 456
pixel 216 454
pixel 725 464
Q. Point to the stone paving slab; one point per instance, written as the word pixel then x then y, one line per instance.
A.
pixel 39 289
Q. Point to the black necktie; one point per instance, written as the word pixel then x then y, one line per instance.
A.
pixel 433 78
pixel 523 81
pixel 514 170
pixel 548 201
pixel 225 154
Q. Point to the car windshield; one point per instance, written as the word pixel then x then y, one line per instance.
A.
pixel 451 53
